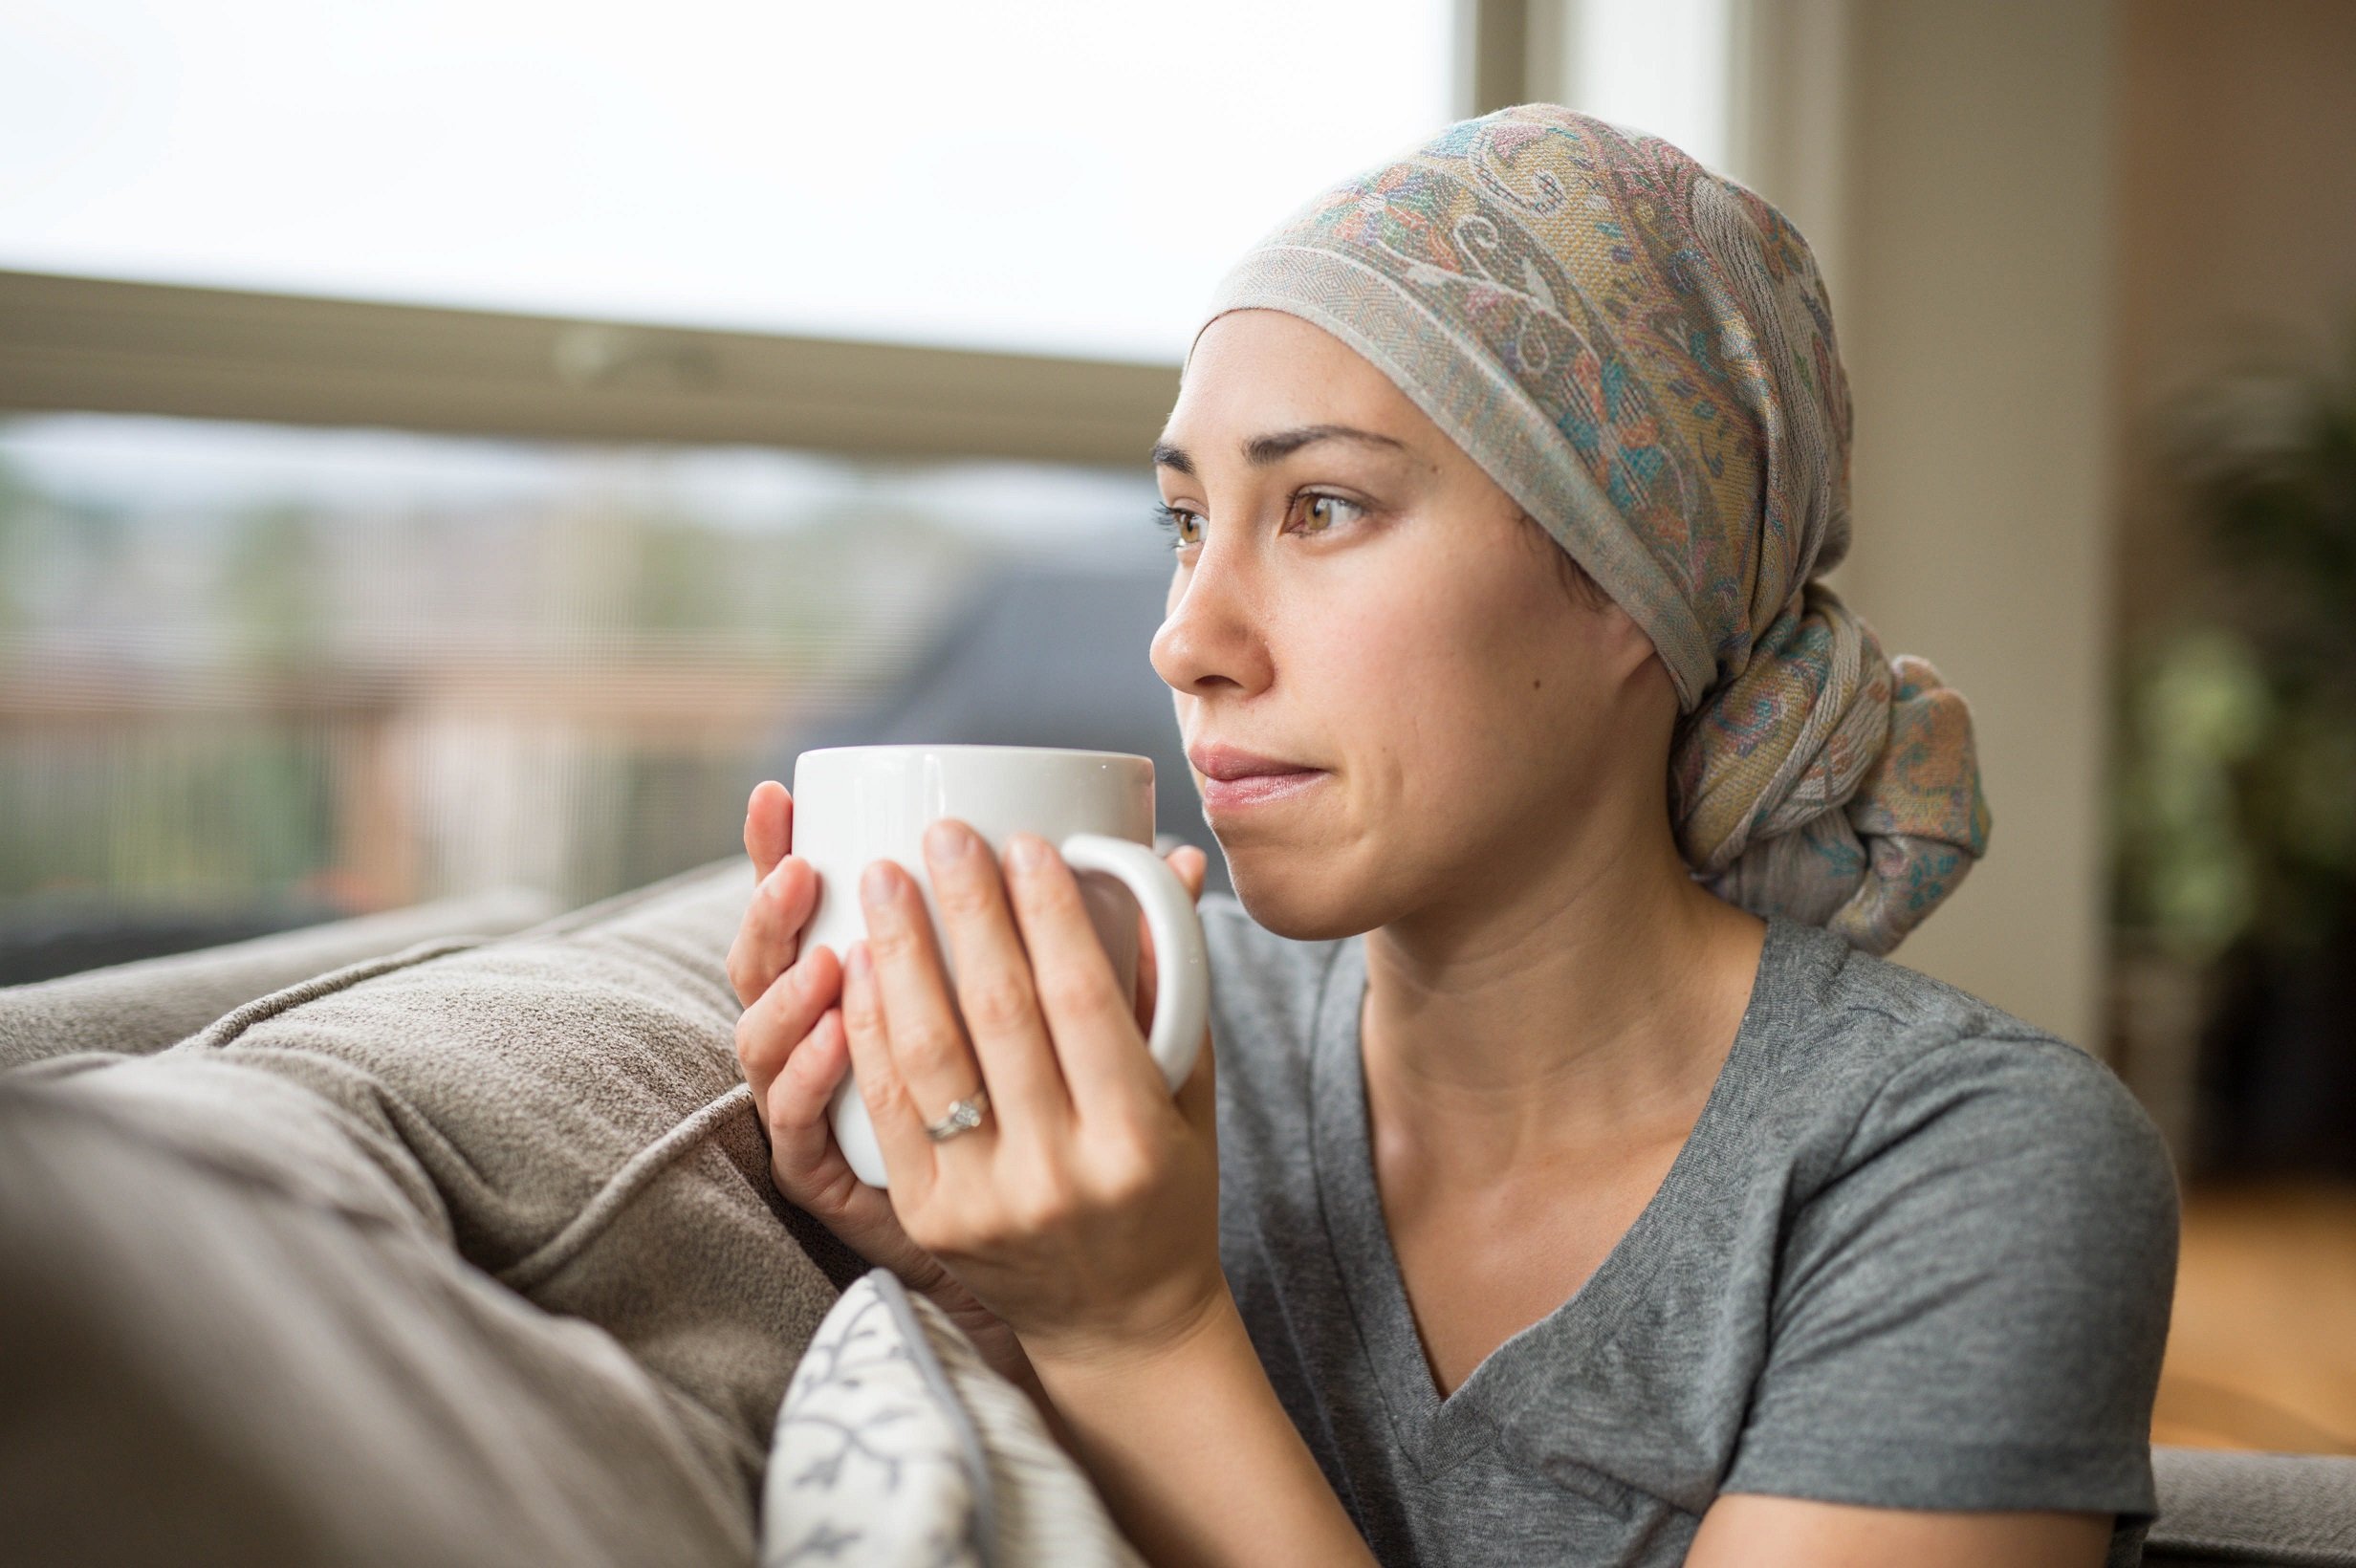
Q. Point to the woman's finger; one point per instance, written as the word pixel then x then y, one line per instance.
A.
pixel 1095 1037
pixel 773 1025
pixel 929 1051
pixel 1188 863
pixel 899 1129
pixel 811 1171
pixel 769 825
pixel 801 1140
pixel 1198 1096
pixel 994 995
pixel 1191 866
pixel 769 937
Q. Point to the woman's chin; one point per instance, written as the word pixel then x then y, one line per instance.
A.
pixel 1296 895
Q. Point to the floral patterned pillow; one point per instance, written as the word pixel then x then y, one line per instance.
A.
pixel 896 1445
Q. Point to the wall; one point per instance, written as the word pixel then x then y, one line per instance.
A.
pixel 1959 161
pixel 2237 227
pixel 2040 221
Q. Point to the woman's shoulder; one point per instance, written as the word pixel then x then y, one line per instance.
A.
pixel 1901 1030
pixel 1889 1067
pixel 1971 1230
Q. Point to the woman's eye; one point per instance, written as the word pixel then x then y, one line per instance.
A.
pixel 1319 512
pixel 1184 527
pixel 1313 512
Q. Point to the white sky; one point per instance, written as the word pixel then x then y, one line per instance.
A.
pixel 1047 174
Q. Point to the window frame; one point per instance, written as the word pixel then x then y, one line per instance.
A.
pixel 99 345
pixel 95 345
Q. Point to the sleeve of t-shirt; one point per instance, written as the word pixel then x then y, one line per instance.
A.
pixel 1970 1312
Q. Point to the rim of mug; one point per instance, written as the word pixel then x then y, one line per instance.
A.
pixel 921 748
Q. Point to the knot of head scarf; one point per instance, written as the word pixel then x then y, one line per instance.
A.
pixel 1641 354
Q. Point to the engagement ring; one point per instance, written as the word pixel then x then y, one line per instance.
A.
pixel 962 1116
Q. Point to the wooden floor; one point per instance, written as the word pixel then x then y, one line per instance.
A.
pixel 2262 1350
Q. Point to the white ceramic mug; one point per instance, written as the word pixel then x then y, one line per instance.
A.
pixel 854 805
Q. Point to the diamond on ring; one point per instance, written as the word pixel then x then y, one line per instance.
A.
pixel 962 1116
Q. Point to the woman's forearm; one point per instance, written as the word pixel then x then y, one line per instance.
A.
pixel 1195 1456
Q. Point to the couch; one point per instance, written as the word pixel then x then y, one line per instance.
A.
pixel 129 1435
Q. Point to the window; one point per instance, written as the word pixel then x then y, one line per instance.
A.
pixel 1662 66
pixel 1066 177
pixel 251 669
pixel 257 666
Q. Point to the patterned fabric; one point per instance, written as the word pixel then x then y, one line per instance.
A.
pixel 898 1447
pixel 1641 353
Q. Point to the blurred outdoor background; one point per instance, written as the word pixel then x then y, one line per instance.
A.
pixel 453 446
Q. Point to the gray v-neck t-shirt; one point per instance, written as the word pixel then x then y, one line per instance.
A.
pixel 1916 1253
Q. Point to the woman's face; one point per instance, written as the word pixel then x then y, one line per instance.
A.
pixel 1358 604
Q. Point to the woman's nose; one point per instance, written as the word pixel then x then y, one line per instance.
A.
pixel 1209 639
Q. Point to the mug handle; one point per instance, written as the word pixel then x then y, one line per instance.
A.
pixel 1182 969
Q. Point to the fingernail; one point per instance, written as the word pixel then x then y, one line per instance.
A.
pixel 876 886
pixel 855 964
pixel 1026 852
pixel 946 841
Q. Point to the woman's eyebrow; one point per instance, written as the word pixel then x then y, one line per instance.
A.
pixel 1261 451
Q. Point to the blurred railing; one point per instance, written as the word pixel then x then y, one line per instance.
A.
pixel 576 776
pixel 360 671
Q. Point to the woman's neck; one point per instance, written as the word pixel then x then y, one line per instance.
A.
pixel 1580 999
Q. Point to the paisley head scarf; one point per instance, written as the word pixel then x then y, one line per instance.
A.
pixel 1640 353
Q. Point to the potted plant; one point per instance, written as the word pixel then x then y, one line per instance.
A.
pixel 2236 785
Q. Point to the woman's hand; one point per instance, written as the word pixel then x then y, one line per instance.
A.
pixel 1084 1210
pixel 791 1045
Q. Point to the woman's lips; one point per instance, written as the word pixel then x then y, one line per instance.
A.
pixel 1258 789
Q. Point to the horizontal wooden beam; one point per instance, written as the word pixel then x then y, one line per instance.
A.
pixel 89 344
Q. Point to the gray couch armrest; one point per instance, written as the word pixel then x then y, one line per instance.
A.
pixel 2226 1510
pixel 139 1008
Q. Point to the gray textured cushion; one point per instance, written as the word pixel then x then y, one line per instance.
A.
pixel 2221 1508
pixel 144 1007
pixel 465 1256
pixel 543 1139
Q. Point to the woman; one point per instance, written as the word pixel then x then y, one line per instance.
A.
pixel 1580 1188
